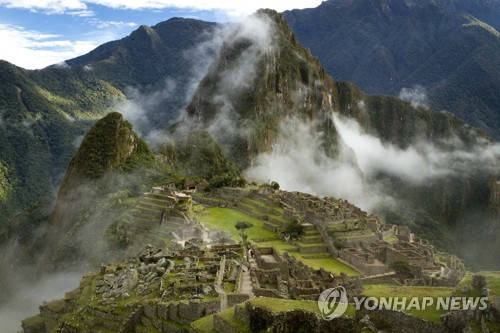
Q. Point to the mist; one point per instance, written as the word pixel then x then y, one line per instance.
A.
pixel 29 296
pixel 151 109
pixel 416 95
pixel 55 257
pixel 422 161
pixel 298 162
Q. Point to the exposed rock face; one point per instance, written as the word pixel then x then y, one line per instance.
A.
pixel 258 80
pixel 110 144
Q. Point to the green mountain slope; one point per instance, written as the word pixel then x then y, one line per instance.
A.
pixel 384 46
pixel 44 113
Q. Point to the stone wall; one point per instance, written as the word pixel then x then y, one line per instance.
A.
pixel 359 264
pixel 221 326
pixel 236 298
pixel 400 322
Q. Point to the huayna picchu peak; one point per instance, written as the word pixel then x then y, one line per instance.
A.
pixel 219 178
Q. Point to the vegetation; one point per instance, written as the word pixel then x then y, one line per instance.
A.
pixel 198 155
pixel 429 313
pixel 281 305
pixel 224 219
pixel 434 48
pixel 242 226
pixel 402 268
pixel 293 230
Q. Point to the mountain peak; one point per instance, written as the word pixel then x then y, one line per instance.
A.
pixel 109 145
pixel 261 76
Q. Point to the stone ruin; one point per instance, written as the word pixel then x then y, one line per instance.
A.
pixel 159 290
pixel 363 242
pixel 283 276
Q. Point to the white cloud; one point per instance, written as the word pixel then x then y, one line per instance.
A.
pixel 107 24
pixel 417 95
pixel 33 49
pixel 234 8
pixel 75 7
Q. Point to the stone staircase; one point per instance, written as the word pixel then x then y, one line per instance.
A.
pixel 311 242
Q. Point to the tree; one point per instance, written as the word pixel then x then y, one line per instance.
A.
pixel 242 226
pixel 292 230
pixel 401 268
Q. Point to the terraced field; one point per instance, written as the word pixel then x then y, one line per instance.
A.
pixel 144 221
pixel 267 219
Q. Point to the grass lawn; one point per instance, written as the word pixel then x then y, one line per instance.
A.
pixel 204 325
pixel 493 282
pixel 280 305
pixel 430 313
pixel 226 218
pixel 228 316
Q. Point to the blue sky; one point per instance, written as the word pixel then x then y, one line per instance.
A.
pixel 38 33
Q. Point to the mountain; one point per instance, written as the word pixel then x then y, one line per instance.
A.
pixel 261 93
pixel 264 96
pixel 42 114
pixel 45 113
pixel 434 52
pixel 109 145
pixel 278 87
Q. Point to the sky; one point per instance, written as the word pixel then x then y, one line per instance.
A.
pixel 38 33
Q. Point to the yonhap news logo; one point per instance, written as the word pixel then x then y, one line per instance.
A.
pixel 333 302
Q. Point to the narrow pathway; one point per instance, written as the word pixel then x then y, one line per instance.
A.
pixel 246 281
pixel 377 275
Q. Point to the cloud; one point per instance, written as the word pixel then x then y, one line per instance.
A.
pixel 73 7
pixel 256 31
pixel 420 162
pixel 107 24
pixel 33 49
pixel 29 296
pixel 417 95
pixel 298 163
pixel 81 7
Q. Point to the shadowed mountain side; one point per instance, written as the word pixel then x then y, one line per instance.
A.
pixel 385 46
